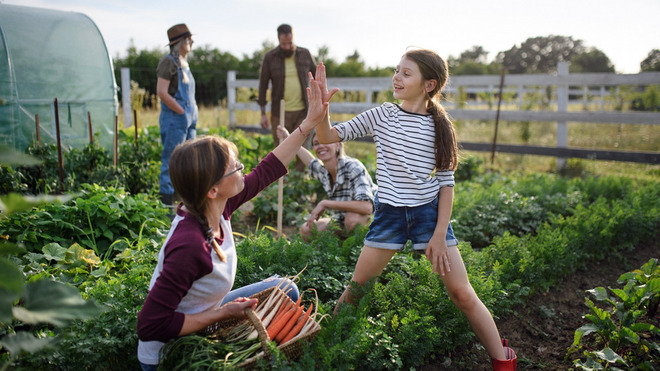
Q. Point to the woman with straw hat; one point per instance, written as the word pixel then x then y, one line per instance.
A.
pixel 176 89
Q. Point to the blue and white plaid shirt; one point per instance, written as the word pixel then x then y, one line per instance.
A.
pixel 353 182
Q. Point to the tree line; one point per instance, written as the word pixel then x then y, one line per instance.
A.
pixel 535 55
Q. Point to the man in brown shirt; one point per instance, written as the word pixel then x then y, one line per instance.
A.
pixel 286 68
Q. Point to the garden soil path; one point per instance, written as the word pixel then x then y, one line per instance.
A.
pixel 542 330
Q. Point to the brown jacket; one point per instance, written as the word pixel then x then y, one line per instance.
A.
pixel 272 69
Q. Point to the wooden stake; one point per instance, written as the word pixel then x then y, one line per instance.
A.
pixel 114 146
pixel 91 139
pixel 497 118
pixel 42 184
pixel 280 183
pixel 59 146
pixel 136 127
pixel 36 120
pixel 89 128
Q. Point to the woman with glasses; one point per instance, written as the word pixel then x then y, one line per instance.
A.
pixel 191 287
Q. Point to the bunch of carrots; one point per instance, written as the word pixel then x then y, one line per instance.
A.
pixel 288 321
pixel 283 321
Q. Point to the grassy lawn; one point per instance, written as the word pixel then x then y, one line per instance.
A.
pixel 580 135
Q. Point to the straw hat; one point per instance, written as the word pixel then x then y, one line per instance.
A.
pixel 176 32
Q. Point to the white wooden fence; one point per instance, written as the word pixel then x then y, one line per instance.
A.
pixel 562 85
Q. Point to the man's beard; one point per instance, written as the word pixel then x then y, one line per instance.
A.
pixel 287 53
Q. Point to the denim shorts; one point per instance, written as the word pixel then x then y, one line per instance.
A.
pixel 393 226
pixel 246 291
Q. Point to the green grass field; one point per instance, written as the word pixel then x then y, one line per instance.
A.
pixel 580 135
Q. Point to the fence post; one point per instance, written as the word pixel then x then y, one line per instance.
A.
pixel 126 95
pixel 562 106
pixel 231 97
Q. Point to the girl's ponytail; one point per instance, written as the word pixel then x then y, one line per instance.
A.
pixel 446 147
pixel 433 67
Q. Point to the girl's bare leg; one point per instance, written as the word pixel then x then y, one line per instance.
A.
pixel 370 264
pixel 465 298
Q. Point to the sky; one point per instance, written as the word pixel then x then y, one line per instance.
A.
pixel 380 30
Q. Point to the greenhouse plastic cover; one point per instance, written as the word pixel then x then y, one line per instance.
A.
pixel 46 55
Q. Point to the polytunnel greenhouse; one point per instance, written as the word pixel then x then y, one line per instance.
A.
pixel 48 56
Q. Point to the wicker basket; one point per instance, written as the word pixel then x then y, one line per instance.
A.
pixel 292 349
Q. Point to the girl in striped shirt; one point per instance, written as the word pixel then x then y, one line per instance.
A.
pixel 417 154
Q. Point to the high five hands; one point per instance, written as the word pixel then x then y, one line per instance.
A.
pixel 318 95
pixel 323 84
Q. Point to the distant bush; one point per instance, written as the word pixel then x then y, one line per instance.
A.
pixel 648 101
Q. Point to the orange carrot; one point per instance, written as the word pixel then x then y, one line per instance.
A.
pixel 289 325
pixel 277 326
pixel 299 325
pixel 284 307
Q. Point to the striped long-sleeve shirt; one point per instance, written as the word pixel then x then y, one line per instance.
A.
pixel 405 146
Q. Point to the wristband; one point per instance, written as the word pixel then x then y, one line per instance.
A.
pixel 301 132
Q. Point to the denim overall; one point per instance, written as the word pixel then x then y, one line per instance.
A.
pixel 176 128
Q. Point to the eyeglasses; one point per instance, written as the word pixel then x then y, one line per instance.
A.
pixel 239 168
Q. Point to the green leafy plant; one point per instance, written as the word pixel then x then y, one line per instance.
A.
pixel 104 242
pixel 109 340
pixel 626 334
pixel 94 219
pixel 37 302
pixel 42 301
pixel 300 195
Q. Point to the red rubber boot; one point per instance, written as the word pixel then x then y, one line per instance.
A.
pixel 511 358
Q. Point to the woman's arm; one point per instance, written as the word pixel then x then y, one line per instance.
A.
pixel 289 147
pixel 162 85
pixel 358 207
pixel 199 321
pixel 303 154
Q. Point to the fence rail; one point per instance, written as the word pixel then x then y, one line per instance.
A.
pixel 559 88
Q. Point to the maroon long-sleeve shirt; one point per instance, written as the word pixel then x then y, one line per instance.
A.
pixel 187 258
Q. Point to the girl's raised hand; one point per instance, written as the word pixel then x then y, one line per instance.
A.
pixel 318 109
pixel 323 83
